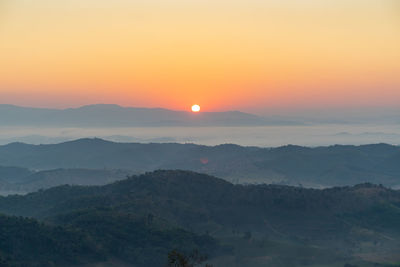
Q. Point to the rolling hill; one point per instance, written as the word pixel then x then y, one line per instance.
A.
pixel 292 165
pixel 337 225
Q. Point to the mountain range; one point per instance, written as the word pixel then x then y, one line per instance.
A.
pixel 317 167
pixel 104 115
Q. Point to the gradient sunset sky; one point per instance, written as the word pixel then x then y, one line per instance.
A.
pixel 250 55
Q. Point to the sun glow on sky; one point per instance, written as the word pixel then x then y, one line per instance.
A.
pixel 237 54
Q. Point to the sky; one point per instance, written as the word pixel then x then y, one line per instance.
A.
pixel 258 56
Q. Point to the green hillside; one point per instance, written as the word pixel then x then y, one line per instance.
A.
pixel 254 224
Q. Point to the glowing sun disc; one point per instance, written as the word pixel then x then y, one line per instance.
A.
pixel 195 108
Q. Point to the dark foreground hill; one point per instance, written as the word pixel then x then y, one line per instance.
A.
pixel 291 165
pixel 92 237
pixel 256 225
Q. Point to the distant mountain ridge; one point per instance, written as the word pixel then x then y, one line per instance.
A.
pixel 105 115
pixel 292 165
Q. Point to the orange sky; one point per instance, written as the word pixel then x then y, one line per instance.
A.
pixel 252 55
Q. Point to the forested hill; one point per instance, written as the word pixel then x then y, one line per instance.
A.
pixel 90 237
pixel 339 219
pixel 293 165
pixel 210 197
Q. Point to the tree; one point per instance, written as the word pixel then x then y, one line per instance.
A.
pixel 178 259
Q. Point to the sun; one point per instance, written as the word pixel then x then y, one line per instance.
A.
pixel 195 108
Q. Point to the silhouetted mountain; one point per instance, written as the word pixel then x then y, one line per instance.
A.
pixel 117 116
pixel 331 225
pixel 292 165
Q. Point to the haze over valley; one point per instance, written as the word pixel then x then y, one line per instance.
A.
pixel 144 125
